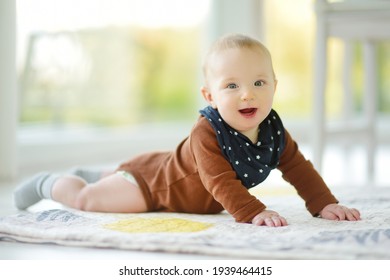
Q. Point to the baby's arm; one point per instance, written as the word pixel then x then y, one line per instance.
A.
pixel 269 218
pixel 339 213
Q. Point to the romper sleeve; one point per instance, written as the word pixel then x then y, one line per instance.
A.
pixel 219 178
pixel 301 173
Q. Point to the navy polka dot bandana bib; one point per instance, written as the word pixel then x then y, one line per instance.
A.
pixel 252 161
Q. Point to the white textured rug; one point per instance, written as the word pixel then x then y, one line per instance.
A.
pixel 304 238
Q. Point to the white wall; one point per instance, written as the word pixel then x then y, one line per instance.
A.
pixel 232 16
pixel 8 92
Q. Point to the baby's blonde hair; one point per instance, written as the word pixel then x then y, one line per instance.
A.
pixel 232 41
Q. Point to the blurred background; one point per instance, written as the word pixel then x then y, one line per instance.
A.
pixel 100 81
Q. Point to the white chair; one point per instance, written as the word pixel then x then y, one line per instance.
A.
pixel 351 20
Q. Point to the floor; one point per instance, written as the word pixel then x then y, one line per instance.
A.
pixel 335 173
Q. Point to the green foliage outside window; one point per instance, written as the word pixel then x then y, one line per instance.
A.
pixel 111 76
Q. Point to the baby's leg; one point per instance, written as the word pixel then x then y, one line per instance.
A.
pixel 111 194
pixel 34 189
pixel 90 175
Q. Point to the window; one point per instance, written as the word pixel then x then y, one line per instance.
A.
pixel 290 31
pixel 108 63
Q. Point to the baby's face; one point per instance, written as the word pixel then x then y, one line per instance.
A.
pixel 241 85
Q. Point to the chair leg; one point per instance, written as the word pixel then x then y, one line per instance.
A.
pixel 370 104
pixel 347 113
pixel 319 112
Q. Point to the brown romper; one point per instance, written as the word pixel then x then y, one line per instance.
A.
pixel 197 178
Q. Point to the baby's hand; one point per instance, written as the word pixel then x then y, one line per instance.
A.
pixel 269 218
pixel 339 213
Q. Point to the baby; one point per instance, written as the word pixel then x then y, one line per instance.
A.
pixel 236 142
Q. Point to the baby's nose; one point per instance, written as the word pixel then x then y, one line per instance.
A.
pixel 247 95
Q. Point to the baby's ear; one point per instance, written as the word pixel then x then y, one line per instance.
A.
pixel 207 96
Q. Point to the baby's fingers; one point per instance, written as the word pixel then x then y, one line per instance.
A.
pixel 284 221
pixel 269 222
pixel 269 218
pixel 258 221
pixel 353 215
pixel 329 215
pixel 340 212
pixel 275 221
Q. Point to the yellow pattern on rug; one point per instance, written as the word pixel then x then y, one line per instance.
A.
pixel 143 225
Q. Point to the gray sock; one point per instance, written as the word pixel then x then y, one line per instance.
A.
pixel 45 186
pixel 90 176
pixel 34 190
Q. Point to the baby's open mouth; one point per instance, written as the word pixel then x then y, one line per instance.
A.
pixel 248 112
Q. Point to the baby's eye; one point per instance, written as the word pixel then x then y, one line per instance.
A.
pixel 259 83
pixel 232 86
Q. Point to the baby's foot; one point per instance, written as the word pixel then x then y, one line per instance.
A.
pixel 29 192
